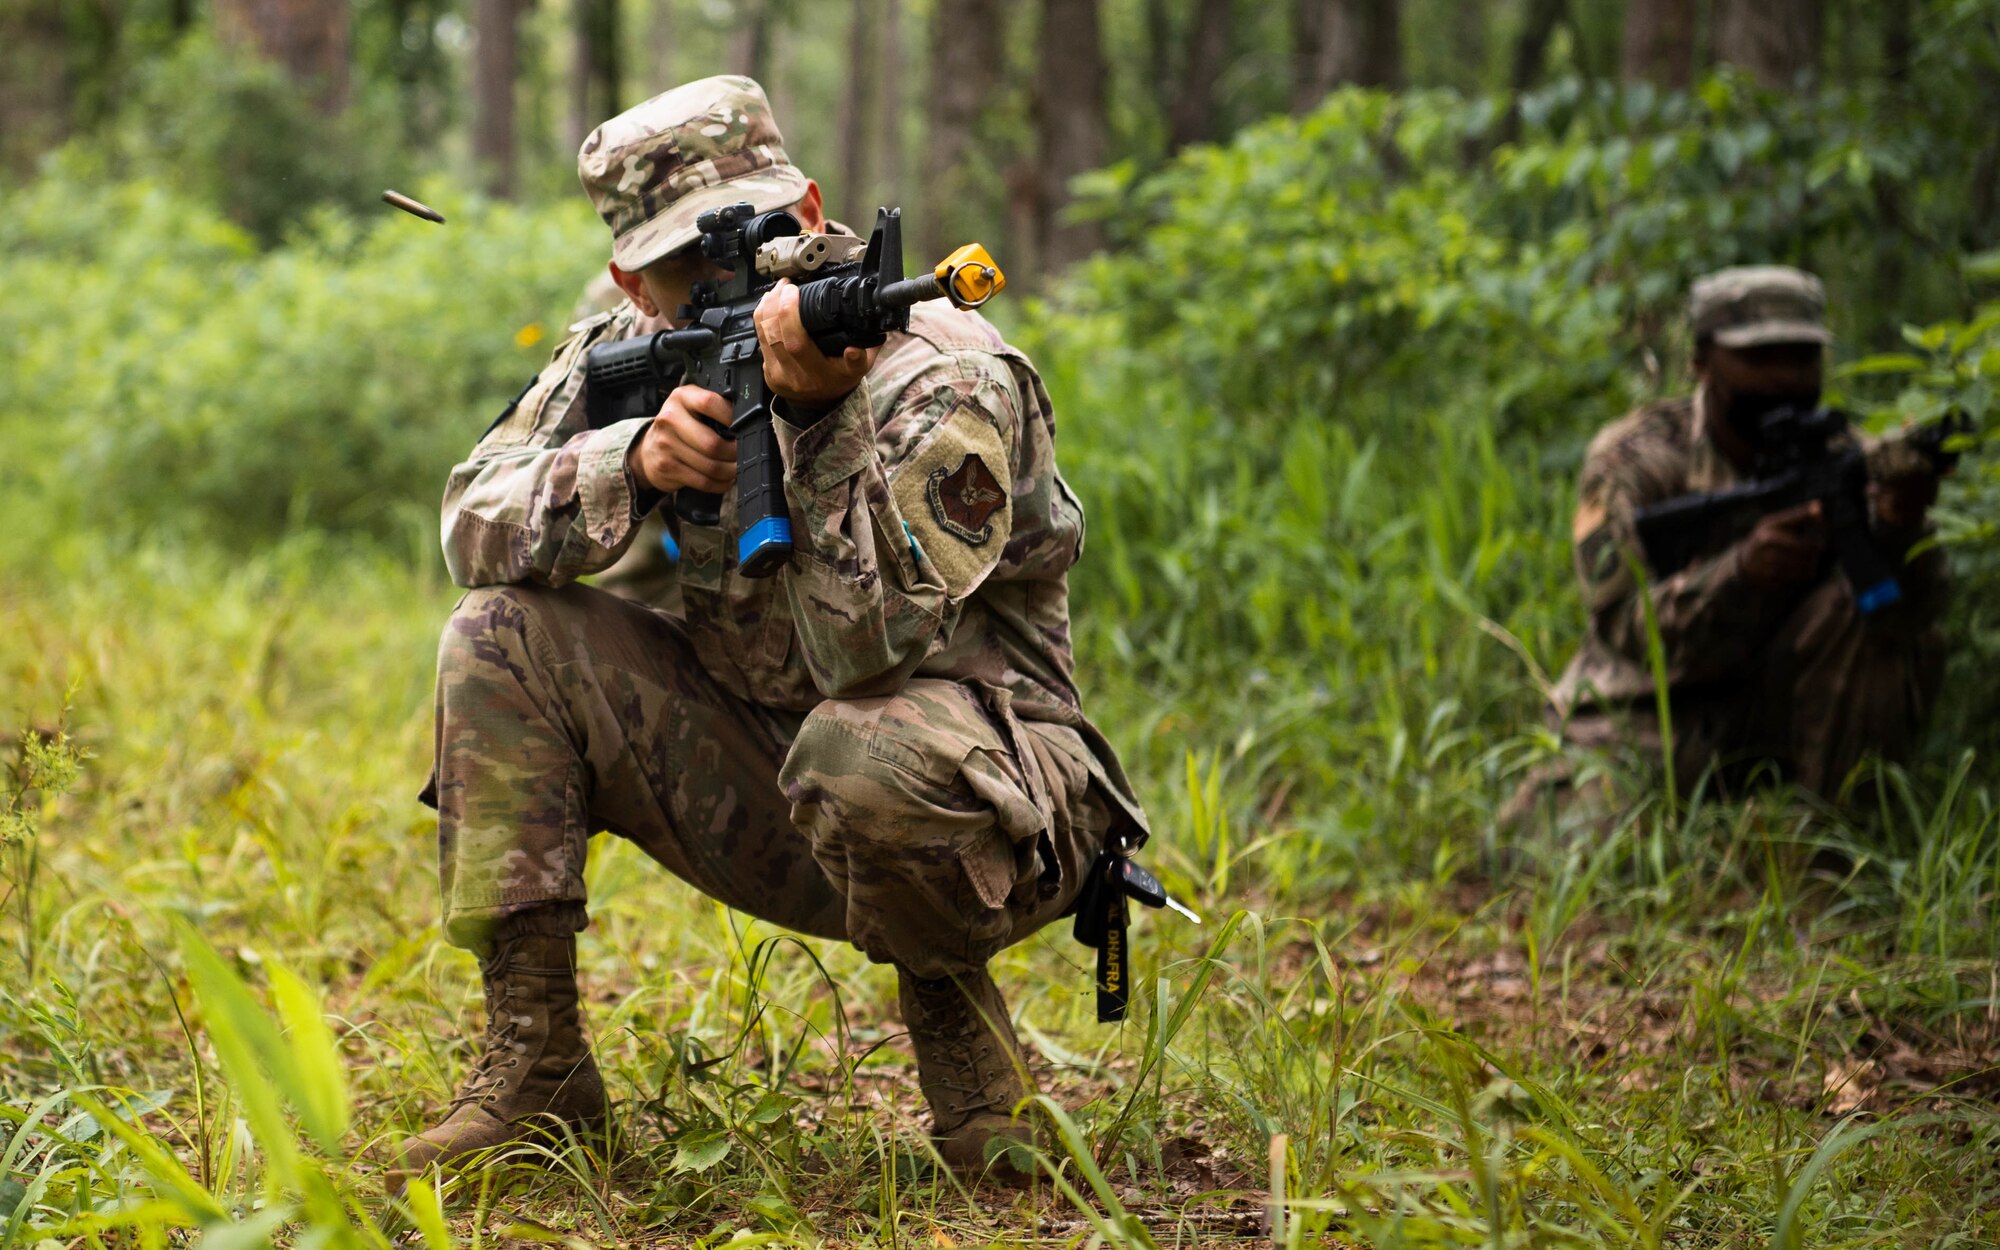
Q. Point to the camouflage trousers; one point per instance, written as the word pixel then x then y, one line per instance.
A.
pixel 1830 689
pixel 930 828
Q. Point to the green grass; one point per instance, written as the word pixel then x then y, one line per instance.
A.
pixel 1738 1024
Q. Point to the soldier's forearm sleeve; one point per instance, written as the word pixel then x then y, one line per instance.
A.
pixel 535 513
pixel 543 497
pixel 1708 620
pixel 878 574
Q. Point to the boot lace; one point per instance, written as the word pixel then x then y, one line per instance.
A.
pixel 963 1046
pixel 500 1052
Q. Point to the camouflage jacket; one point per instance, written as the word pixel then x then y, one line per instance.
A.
pixel 1712 622
pixel 933 534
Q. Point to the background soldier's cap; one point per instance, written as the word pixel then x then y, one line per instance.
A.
pixel 657 166
pixel 1756 304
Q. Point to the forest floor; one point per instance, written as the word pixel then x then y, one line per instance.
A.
pixel 1628 1043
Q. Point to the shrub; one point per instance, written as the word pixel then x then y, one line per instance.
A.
pixel 184 380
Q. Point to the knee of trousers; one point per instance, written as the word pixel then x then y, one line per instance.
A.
pixel 919 816
pixel 508 626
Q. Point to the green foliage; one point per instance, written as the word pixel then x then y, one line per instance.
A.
pixel 185 381
pixel 233 131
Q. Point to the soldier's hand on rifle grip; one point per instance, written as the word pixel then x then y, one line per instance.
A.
pixel 795 369
pixel 1786 547
pixel 678 449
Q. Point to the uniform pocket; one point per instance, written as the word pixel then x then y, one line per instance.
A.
pixel 930 729
pixel 990 871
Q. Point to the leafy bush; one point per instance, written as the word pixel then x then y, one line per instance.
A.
pixel 232 130
pixel 185 381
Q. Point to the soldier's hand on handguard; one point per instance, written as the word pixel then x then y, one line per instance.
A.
pixel 678 449
pixel 1786 547
pixel 1902 481
pixel 795 369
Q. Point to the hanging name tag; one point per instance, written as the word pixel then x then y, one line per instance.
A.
pixel 1103 922
pixel 1114 972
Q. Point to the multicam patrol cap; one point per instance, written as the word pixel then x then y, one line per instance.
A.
pixel 1752 305
pixel 653 169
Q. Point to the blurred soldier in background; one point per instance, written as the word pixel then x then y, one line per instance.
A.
pixel 882 744
pixel 1770 665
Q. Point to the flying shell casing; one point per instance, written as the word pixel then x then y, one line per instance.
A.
pixel 414 208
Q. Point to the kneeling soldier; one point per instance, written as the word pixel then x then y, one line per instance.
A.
pixel 882 744
pixel 1773 666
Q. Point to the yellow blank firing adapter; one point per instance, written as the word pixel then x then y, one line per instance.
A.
pixel 968 277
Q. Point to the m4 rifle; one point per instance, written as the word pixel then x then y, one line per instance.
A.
pixel 1805 455
pixel 850 295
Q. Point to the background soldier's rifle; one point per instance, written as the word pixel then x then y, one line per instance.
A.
pixel 1804 455
pixel 848 297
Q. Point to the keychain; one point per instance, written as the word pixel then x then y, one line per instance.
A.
pixel 1104 923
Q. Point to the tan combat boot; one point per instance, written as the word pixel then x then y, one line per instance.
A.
pixel 970 1067
pixel 535 1075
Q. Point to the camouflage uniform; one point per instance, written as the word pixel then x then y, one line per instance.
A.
pixel 1792 677
pixel 883 743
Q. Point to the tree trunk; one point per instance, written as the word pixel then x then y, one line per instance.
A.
pixel 493 68
pixel 306 38
pixel 856 98
pixel 1335 42
pixel 1891 239
pixel 1069 124
pixel 964 71
pixel 1659 43
pixel 1898 44
pixel 1364 43
pixel 597 68
pixel 1195 106
pixel 889 115
pixel 36 92
pixel 1309 82
pixel 1775 40
pixel 1531 49
pixel 750 49
pixel 1160 59
pixel 660 43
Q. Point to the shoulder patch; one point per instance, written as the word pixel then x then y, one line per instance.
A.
pixel 953 493
pixel 964 499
